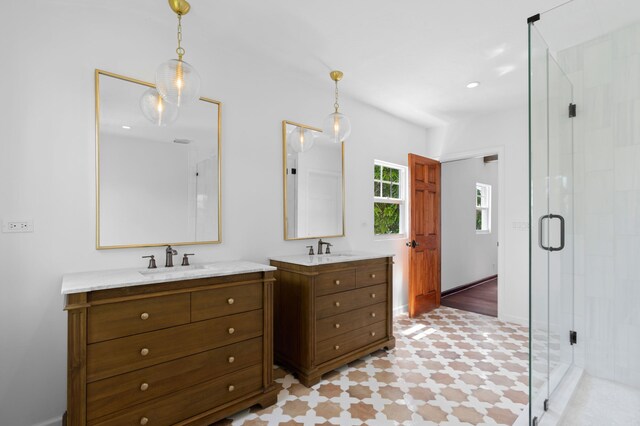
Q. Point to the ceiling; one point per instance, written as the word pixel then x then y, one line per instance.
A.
pixel 411 58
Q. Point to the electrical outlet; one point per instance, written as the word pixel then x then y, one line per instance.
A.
pixel 15 226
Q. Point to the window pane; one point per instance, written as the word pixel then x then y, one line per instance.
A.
pixel 395 175
pixel 386 174
pixel 478 220
pixel 376 189
pixel 386 218
pixel 376 172
pixel 395 191
pixel 386 189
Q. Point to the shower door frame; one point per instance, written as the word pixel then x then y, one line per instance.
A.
pixel 551 255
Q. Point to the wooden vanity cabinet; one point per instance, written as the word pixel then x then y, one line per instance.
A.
pixel 186 352
pixel 331 314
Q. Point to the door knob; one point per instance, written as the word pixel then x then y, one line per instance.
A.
pixel 412 244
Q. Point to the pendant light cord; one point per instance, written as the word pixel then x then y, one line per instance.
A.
pixel 180 50
pixel 336 105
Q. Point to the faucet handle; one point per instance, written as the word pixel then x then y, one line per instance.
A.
pixel 311 253
pixel 328 251
pixel 152 261
pixel 185 259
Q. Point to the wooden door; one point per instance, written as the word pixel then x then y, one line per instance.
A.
pixel 424 246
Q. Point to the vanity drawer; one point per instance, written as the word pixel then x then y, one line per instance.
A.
pixel 225 301
pixel 190 402
pixel 339 324
pixel 346 301
pixel 334 282
pixel 116 393
pixel 121 319
pixel 345 343
pixel 371 275
pixel 118 356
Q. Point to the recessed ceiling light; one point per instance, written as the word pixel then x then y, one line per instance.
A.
pixel 473 85
pixel 126 127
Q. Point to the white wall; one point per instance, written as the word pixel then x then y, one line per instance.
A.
pixel 467 256
pixel 47 162
pixel 605 73
pixel 504 131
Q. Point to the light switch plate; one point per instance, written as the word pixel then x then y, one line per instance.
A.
pixel 17 226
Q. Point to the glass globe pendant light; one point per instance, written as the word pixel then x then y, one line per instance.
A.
pixel 177 81
pixel 301 139
pixel 337 126
pixel 156 109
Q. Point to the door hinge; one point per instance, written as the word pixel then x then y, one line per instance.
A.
pixel 534 422
pixel 573 337
pixel 546 405
pixel 572 110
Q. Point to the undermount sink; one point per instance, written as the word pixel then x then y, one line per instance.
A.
pixel 176 270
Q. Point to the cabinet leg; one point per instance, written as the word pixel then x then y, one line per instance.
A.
pixel 309 381
pixel 391 344
pixel 268 399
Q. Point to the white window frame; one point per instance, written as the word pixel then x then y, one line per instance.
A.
pixel 484 207
pixel 401 200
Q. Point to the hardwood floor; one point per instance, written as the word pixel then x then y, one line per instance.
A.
pixel 482 299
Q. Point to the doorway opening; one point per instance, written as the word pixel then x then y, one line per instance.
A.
pixel 470 233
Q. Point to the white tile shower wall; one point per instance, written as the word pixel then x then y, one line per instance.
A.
pixel 47 168
pixel 606 77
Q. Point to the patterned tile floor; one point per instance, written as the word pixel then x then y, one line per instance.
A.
pixel 449 367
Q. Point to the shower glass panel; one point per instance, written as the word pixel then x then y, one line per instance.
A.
pixel 551 220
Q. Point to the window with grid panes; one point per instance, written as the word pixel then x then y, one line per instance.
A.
pixel 389 182
pixel 483 208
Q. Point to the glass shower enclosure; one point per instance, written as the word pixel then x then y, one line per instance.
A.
pixel 551 218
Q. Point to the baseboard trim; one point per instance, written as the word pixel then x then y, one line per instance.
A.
pixel 464 287
pixel 399 310
pixel 56 421
pixel 515 320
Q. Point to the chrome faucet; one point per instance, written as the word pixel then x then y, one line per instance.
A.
pixel 170 253
pixel 322 243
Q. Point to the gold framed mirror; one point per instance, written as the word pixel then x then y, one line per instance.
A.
pixel 157 182
pixel 313 183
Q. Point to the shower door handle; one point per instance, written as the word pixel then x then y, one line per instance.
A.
pixel 557 216
pixel 540 222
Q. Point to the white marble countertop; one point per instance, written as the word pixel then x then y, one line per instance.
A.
pixel 101 280
pixel 323 259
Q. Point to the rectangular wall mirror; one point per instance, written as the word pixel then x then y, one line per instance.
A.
pixel 313 179
pixel 156 185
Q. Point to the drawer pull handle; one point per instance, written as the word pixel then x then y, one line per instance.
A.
pixel 336 347
pixel 144 352
pixel 373 275
pixel 231 388
pixel 373 314
pixel 144 316
pixel 337 325
pixel 373 295
pixel 373 333
pixel 144 387
pixel 337 304
pixel 337 282
pixel 144 421
pixel 232 330
pixel 231 360
pixel 230 301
